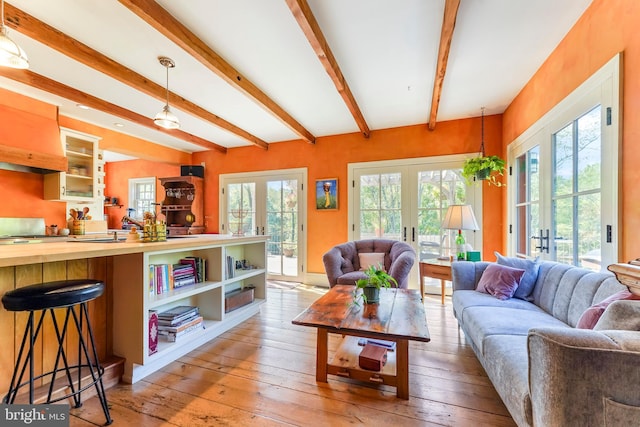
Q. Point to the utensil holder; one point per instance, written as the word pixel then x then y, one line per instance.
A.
pixel 77 227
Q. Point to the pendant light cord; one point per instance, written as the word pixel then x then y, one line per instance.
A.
pixel 167 80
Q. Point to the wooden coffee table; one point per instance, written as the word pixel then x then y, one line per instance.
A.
pixel 399 317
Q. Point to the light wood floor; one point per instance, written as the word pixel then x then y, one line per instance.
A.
pixel 262 373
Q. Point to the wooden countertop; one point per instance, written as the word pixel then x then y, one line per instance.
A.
pixel 35 253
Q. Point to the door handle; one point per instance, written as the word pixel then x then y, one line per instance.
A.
pixel 413 234
pixel 404 234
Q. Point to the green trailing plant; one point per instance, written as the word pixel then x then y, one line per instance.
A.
pixel 377 278
pixel 484 168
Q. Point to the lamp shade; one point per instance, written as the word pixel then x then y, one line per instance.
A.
pixel 460 217
pixel 167 119
pixel 11 55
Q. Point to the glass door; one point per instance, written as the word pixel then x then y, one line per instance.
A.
pixel 272 204
pixel 531 239
pixel 406 201
pixel 282 225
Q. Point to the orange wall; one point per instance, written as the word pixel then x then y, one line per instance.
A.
pixel 606 28
pixel 328 158
pixel 22 197
pixel 117 183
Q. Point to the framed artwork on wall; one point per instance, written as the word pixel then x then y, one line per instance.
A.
pixel 327 194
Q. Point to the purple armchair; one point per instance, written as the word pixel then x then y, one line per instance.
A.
pixel 342 262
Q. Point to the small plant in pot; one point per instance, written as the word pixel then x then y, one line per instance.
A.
pixel 376 279
pixel 484 168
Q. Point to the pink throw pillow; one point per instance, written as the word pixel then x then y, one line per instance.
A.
pixel 591 316
pixel 500 281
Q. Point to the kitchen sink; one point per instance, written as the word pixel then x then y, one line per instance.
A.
pixel 98 240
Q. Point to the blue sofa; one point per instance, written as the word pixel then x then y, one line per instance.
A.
pixel 547 372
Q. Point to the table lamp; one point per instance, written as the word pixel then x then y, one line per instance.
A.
pixel 460 217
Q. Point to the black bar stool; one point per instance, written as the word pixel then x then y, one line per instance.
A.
pixel 45 298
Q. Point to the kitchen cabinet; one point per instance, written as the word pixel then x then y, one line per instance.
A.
pixel 84 179
pixel 183 205
pixel 134 303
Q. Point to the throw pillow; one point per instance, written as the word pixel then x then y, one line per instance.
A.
pixel 530 267
pixel 591 316
pixel 371 258
pixel 500 281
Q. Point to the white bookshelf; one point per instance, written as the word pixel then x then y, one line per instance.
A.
pixel 133 300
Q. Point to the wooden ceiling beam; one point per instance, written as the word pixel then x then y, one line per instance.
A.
pixel 307 22
pixel 163 22
pixel 44 33
pixel 46 84
pixel 446 35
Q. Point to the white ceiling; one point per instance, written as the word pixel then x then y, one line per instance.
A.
pixel 387 51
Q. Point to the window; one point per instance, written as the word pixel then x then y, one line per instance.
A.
pixel 563 199
pixel 142 196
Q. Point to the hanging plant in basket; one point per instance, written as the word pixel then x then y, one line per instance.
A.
pixel 483 168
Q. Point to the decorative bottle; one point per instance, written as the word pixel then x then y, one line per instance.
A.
pixel 460 251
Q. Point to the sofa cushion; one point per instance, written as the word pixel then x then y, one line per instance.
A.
pixel 500 281
pixel 591 316
pixel 507 363
pixel 528 282
pixel 483 322
pixel 351 278
pixel 464 299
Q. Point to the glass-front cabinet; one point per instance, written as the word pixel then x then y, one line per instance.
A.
pixel 80 181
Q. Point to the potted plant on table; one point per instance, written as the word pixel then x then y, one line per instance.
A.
pixel 376 279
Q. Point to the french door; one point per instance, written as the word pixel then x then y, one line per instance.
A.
pixel 564 182
pixel 268 203
pixel 406 200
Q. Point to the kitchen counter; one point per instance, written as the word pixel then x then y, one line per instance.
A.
pixel 36 253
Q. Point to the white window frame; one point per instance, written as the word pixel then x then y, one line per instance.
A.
pixel 133 183
pixel 604 86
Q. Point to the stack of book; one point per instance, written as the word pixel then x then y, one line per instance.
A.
pixel 164 278
pixel 179 321
pixel 183 275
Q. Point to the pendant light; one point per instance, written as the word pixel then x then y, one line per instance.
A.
pixel 11 55
pixel 166 118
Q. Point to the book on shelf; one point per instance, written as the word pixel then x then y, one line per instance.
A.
pixel 389 345
pixel 199 266
pixel 185 324
pixel 230 267
pixel 177 314
pixel 164 278
pixel 176 336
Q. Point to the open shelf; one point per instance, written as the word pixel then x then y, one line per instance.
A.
pixel 181 293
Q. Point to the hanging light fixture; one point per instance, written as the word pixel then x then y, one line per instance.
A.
pixel 11 55
pixel 166 118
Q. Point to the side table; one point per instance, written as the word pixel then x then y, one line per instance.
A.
pixel 437 269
